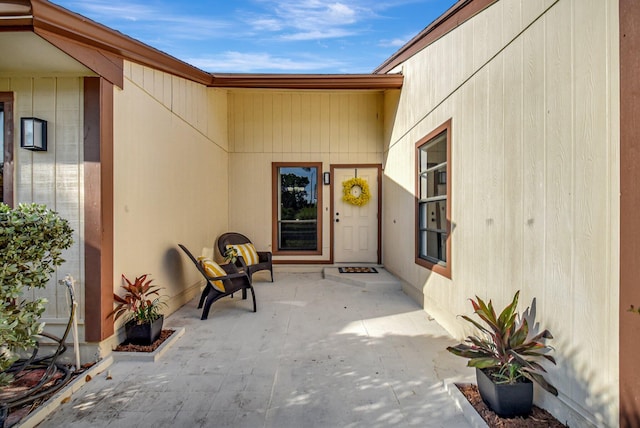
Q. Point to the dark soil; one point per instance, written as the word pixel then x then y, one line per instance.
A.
pixel 538 417
pixel 26 380
pixel 130 347
pixel 31 377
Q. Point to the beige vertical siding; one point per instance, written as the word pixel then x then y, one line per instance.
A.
pixel 294 126
pixel 171 177
pixel 531 87
pixel 54 177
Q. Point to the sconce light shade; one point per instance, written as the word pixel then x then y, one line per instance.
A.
pixel 326 178
pixel 33 134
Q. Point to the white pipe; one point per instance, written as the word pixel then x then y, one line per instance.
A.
pixel 76 345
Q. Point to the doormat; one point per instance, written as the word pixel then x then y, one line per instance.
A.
pixel 355 269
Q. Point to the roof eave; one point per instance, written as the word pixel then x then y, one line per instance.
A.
pixel 309 81
pixel 50 18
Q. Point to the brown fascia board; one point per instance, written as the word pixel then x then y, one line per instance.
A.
pixel 308 81
pixel 15 15
pixel 15 8
pixel 50 18
pixel 457 14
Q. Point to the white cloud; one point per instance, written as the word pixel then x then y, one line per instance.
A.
pixel 393 43
pixel 149 19
pixel 240 62
pixel 265 24
pixel 296 20
pixel 329 33
pixel 109 9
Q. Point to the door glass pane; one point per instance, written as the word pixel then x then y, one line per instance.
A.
pixel 298 216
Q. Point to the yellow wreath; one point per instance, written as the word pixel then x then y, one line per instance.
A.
pixel 356 191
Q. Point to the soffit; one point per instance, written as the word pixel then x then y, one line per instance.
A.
pixel 26 53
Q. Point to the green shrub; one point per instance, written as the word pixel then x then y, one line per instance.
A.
pixel 32 238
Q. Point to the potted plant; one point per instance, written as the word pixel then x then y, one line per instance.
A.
pixel 506 356
pixel 142 304
pixel 231 255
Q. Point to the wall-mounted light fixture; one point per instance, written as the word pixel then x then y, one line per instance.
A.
pixel 33 134
pixel 326 178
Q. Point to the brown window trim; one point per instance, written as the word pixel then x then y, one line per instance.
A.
pixel 7 99
pixel 439 269
pixel 274 204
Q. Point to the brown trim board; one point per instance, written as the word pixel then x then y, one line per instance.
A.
pixel 98 207
pixel 629 208
pixel 7 99
pixel 309 81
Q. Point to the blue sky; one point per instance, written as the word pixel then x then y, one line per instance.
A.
pixel 269 36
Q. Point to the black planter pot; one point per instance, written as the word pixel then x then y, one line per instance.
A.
pixel 506 400
pixel 143 334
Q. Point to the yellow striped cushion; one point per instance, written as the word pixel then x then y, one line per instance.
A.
pixel 213 269
pixel 248 253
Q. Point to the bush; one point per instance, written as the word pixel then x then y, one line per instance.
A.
pixel 32 238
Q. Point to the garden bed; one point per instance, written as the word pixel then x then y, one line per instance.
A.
pixel 539 418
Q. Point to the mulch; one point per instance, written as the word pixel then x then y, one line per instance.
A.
pixel 539 418
pixel 130 347
pixel 28 379
pixel 32 377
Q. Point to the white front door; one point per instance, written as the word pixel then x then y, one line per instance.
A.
pixel 355 228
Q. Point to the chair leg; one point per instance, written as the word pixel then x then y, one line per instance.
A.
pixel 244 294
pixel 204 295
pixel 211 298
pixel 271 270
pixel 205 310
pixel 253 296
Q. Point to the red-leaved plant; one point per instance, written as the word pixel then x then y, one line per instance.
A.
pixel 141 301
pixel 509 349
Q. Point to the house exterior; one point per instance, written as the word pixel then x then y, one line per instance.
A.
pixel 499 146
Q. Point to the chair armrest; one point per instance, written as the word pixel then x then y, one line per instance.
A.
pixel 264 256
pixel 230 276
pixel 232 272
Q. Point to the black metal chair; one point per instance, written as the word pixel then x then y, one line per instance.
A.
pixel 233 282
pixel 264 257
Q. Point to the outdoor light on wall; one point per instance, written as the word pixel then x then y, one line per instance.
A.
pixel 33 134
pixel 326 178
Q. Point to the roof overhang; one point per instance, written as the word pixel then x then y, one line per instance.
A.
pixel 457 14
pixel 98 47
pixel 308 81
pixel 102 50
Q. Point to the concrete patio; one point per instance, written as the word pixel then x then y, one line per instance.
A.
pixel 320 352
